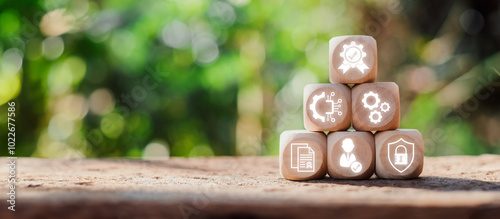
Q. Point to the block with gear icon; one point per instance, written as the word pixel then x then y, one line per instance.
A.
pixel 350 155
pixel 375 106
pixel 327 107
pixel 353 59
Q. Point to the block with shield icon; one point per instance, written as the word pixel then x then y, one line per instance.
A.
pixel 302 155
pixel 353 59
pixel 400 154
pixel 375 106
pixel 350 155
pixel 327 107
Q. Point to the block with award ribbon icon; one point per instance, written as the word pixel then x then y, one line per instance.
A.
pixel 353 59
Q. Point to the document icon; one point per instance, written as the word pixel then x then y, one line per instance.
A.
pixel 302 157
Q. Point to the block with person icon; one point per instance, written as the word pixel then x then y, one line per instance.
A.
pixel 350 155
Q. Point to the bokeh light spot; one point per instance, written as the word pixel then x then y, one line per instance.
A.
pixel 74 106
pixel 52 47
pixel 56 22
pixel 65 73
pixel 112 125
pixel 60 127
pixel 11 61
pixel 176 35
pixel 123 43
pixel 157 149
pixel 9 23
pixel 472 21
pixel 201 151
pixel 10 86
pixel 205 49
pixel 222 13
pixel 101 101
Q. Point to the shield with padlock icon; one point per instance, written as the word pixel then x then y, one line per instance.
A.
pixel 400 154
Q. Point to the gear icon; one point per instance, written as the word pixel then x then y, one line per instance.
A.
pixel 312 107
pixel 372 106
pixel 385 107
pixel 379 116
pixel 353 55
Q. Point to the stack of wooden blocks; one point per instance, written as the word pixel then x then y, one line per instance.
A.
pixel 375 146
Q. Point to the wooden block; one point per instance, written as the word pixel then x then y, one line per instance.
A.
pixel 375 106
pixel 327 107
pixel 353 59
pixel 399 154
pixel 350 155
pixel 302 155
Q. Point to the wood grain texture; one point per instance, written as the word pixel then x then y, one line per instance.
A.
pixel 406 142
pixel 363 152
pixel 340 94
pixel 245 187
pixel 347 64
pixel 289 158
pixel 375 106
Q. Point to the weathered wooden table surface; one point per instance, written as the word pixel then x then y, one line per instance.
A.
pixel 248 187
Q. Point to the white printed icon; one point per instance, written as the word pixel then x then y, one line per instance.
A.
pixel 348 159
pixel 335 107
pixel 375 115
pixel 302 157
pixel 401 155
pixel 353 57
pixel 398 154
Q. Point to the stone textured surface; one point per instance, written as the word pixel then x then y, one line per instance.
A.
pixel 451 187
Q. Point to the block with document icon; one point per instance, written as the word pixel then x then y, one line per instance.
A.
pixel 302 155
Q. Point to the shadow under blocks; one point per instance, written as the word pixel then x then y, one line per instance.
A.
pixel 430 183
pixel 353 98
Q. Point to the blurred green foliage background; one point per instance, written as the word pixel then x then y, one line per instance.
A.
pixel 110 78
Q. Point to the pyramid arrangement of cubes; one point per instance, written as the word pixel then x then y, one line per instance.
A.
pixel 376 145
